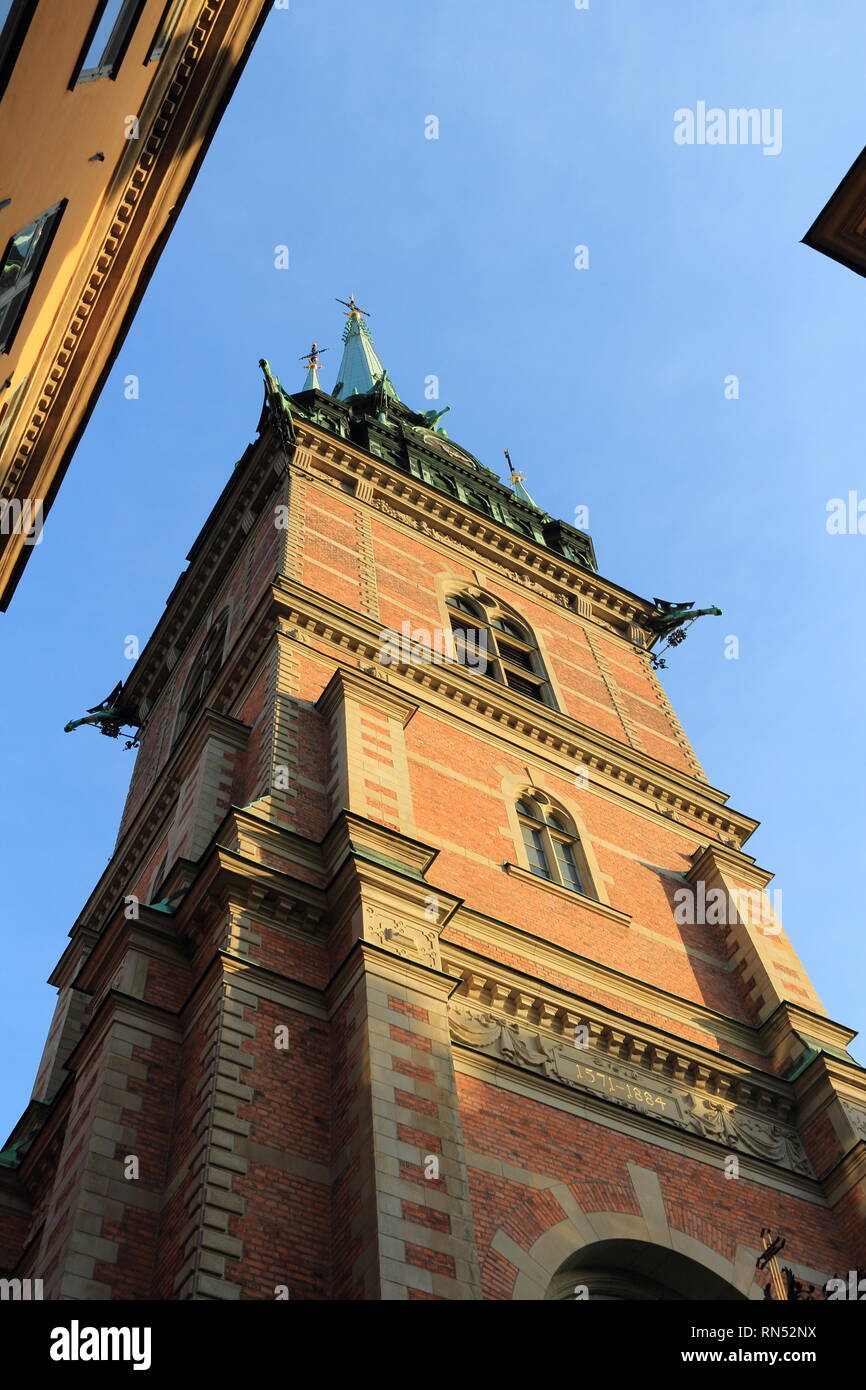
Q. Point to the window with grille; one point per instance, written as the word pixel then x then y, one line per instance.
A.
pixel 510 653
pixel 552 845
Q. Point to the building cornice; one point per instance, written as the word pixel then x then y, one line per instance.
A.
pixel 177 121
pixel 501 936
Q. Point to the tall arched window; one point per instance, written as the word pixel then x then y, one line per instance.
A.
pixel 552 844
pixel 498 646
pixel 203 671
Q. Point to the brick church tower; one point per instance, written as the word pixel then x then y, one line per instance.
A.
pixel 428 964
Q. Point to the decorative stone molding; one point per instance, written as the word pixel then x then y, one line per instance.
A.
pixel 657 1090
pixel 631 731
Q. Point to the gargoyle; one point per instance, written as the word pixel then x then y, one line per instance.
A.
pixel 109 716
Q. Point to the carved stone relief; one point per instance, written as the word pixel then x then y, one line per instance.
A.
pixel 407 939
pixel 634 1088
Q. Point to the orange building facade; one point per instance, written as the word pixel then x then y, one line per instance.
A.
pixel 415 975
pixel 106 110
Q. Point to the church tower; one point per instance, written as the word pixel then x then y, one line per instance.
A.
pixel 428 964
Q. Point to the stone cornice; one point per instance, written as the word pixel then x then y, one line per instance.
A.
pixel 583 970
pixel 153 934
pixel 352 834
pixel 349 682
pixel 740 865
pixel 365 957
pixel 793 1018
pixel 115 1006
pixel 607 1060
pixel 536 1005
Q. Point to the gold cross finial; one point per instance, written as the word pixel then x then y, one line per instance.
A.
pixel 515 476
pixel 312 357
pixel 355 310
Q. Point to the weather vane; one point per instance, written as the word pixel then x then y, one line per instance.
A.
pixel 312 357
pixel 355 310
pixel 515 476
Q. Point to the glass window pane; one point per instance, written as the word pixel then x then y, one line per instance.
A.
pixel 108 44
pixel 535 851
pixel 458 601
pixel 22 258
pixel 99 42
pixel 506 625
pixel 567 865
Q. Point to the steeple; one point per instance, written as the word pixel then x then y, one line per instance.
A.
pixel 311 380
pixel 360 368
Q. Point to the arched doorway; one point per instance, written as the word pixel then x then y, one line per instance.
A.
pixel 635 1270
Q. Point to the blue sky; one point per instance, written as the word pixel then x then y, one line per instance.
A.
pixel 606 385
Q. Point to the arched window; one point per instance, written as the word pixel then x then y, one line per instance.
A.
pixel 552 845
pixel 203 671
pixel 496 645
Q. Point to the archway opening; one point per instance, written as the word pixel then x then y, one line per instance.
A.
pixel 636 1270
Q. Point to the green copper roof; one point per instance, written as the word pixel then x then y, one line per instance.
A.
pixel 311 380
pixel 361 368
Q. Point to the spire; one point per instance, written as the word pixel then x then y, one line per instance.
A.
pixel 360 369
pixel 517 484
pixel 311 380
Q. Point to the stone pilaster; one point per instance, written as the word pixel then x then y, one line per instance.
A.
pixel 412 1234
pixel 369 768
pixel 210 1253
